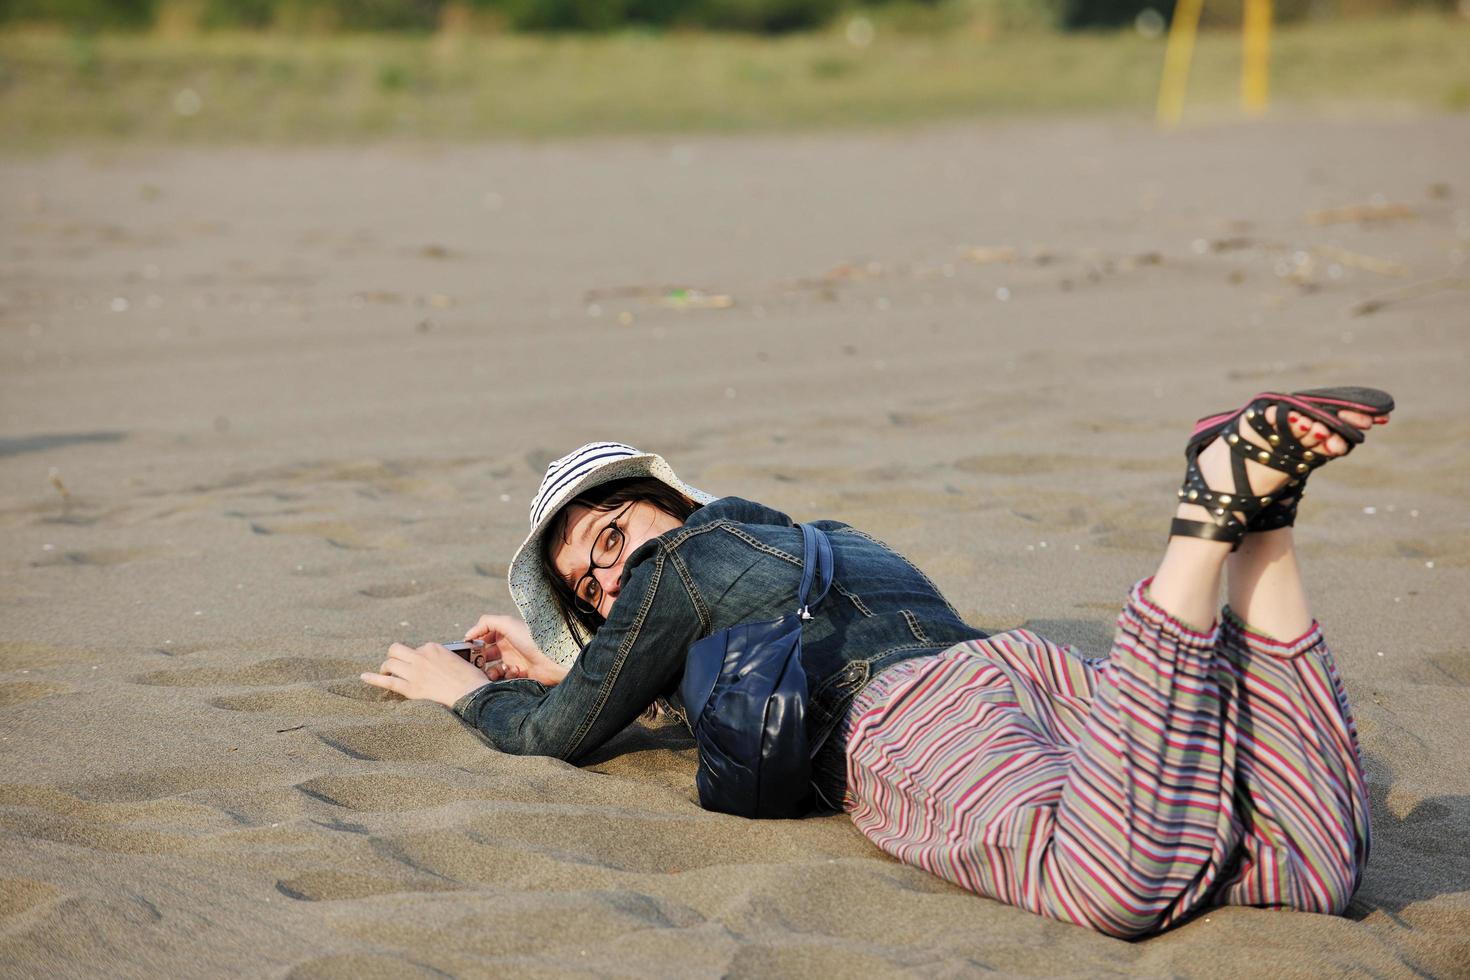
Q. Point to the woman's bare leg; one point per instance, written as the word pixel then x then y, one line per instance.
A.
pixel 1187 583
pixel 1265 585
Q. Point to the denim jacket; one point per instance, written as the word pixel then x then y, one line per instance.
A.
pixel 732 562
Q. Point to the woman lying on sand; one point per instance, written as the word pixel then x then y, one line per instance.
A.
pixel 1204 762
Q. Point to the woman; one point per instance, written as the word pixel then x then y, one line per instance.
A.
pixel 1202 762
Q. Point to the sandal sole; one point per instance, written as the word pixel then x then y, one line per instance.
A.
pixel 1368 401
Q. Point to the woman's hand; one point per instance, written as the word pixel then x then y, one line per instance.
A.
pixel 509 652
pixel 430 673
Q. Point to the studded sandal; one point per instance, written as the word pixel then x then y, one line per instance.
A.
pixel 1283 452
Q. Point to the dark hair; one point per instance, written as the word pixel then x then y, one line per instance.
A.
pixel 603 497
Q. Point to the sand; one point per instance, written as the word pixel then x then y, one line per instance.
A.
pixel 266 410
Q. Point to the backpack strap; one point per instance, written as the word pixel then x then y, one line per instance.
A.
pixel 816 567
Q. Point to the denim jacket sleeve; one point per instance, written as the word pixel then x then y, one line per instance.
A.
pixel 635 657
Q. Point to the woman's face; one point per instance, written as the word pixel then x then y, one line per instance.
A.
pixel 596 543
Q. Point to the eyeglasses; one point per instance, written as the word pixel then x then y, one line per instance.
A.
pixel 607 548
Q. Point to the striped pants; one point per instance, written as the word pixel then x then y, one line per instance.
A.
pixel 1183 771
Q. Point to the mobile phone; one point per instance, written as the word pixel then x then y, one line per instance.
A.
pixel 465 649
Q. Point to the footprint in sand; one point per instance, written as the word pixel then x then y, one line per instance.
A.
pixel 394 590
pixel 179 649
pixel 1439 670
pixel 97 557
pixel 19 894
pixel 159 799
pixel 327 885
pixel 248 515
pixel 403 742
pixel 338 534
pixel 22 653
pixel 92 835
pixel 267 673
pixel 361 965
pixel 380 791
pixel 300 702
pixel 43 442
pixel 356 690
pixel 23 691
pixel 1018 464
pixel 155 784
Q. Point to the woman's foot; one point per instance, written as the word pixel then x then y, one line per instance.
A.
pixel 1246 472
pixel 1214 460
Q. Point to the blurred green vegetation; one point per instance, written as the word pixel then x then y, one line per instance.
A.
pixel 59 89
pixel 761 16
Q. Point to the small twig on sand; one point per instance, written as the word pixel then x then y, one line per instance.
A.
pixel 986 255
pixel 1384 267
pixel 293 728
pixel 1360 212
pixel 1376 303
pixel 55 477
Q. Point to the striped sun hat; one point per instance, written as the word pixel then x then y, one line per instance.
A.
pixel 592 465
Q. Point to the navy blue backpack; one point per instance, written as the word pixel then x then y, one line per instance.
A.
pixel 745 690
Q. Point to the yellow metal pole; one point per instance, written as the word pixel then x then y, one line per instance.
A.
pixel 1176 61
pixel 1255 72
